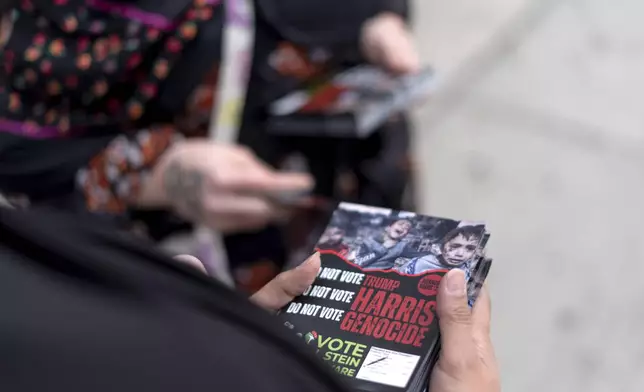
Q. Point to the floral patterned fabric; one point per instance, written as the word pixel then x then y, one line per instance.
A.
pixel 87 66
pixel 83 69
pixel 112 179
pixel 81 65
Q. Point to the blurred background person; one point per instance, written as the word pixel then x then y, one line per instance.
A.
pixel 107 105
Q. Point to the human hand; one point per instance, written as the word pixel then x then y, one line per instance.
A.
pixel 466 362
pixel 192 262
pixel 282 289
pixel 387 41
pixel 224 187
pixel 288 285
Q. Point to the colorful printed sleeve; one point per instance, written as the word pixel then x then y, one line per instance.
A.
pixel 113 178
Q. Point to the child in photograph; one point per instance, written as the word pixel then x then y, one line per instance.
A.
pixel 456 250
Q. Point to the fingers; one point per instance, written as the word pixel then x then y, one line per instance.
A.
pixel 388 42
pixel 232 204
pixel 466 361
pixel 455 320
pixel 481 315
pixel 230 212
pixel 288 285
pixel 256 177
pixel 238 170
pixel 268 182
pixel 191 261
pixel 237 224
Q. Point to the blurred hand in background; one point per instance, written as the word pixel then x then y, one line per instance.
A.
pixel 225 187
pixel 387 41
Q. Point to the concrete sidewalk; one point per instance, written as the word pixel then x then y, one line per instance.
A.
pixel 539 130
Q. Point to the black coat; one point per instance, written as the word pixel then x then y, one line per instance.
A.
pixel 87 309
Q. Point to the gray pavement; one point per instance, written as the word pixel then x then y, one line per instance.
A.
pixel 538 129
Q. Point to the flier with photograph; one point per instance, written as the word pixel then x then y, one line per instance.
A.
pixel 371 312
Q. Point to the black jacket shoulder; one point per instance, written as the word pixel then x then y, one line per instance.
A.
pixel 85 308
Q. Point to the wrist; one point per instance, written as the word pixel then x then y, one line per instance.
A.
pixel 152 193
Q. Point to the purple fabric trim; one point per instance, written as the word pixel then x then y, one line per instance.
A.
pixel 30 130
pixel 130 12
pixel 134 13
pixel 126 11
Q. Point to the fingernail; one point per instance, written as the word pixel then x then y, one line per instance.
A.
pixel 310 259
pixel 456 282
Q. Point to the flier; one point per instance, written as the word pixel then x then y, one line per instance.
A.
pixel 352 102
pixel 371 312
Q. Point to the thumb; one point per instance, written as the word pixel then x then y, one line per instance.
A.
pixel 192 261
pixel 288 285
pixel 455 321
